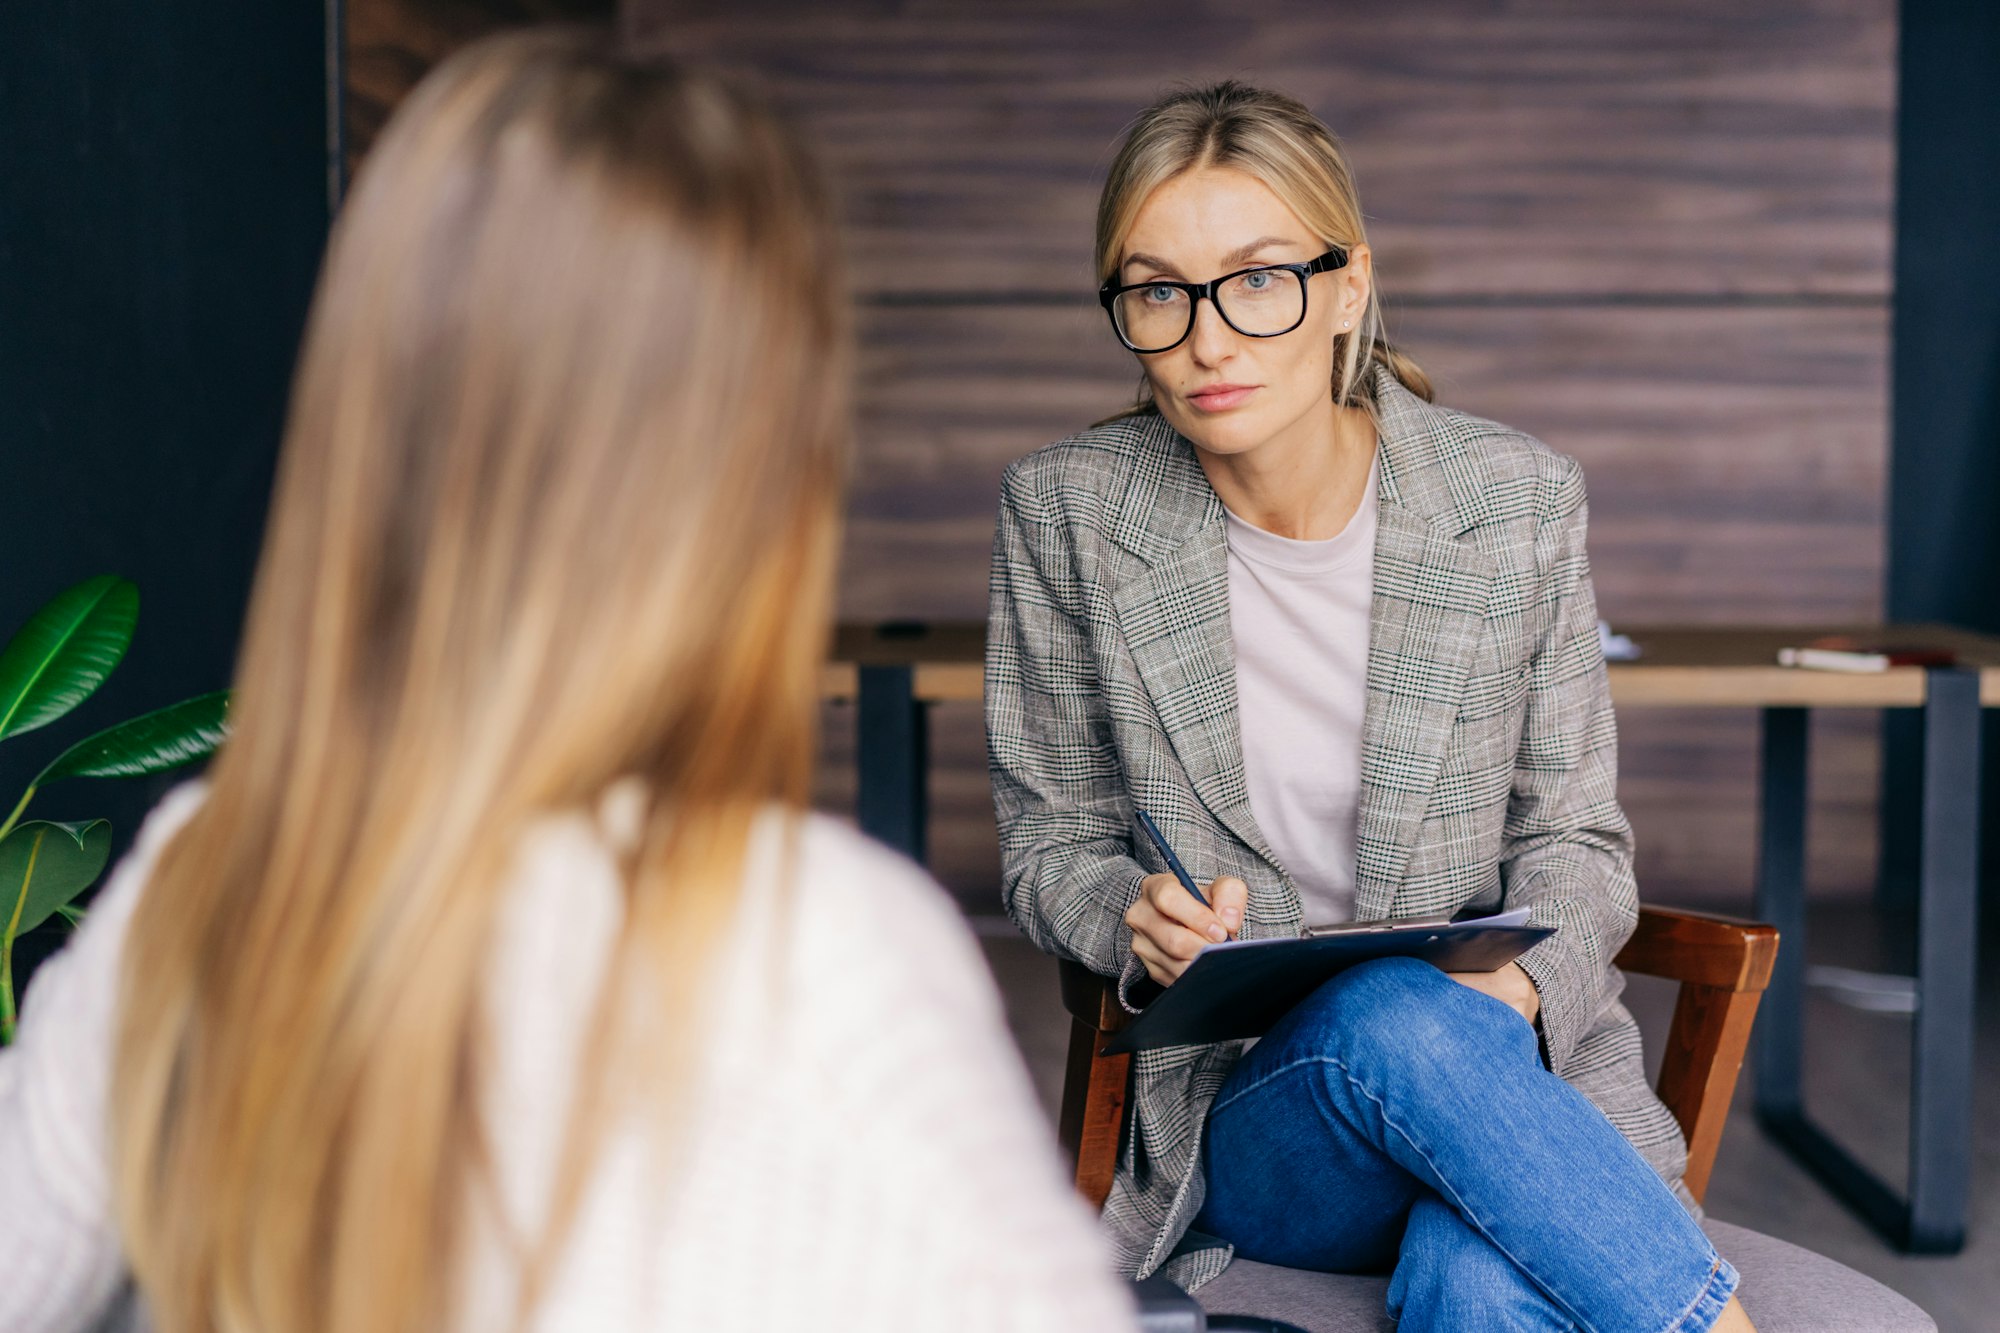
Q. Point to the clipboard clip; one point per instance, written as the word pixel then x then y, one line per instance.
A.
pixel 1377 927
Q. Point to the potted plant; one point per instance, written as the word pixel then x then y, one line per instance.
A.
pixel 56 661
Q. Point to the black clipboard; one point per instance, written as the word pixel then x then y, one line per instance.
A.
pixel 1243 987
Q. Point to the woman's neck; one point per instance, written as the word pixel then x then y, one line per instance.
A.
pixel 1305 482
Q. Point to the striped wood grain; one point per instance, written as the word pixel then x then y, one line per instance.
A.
pixel 1666 148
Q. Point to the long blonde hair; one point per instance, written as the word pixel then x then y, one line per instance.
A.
pixel 1278 140
pixel 557 505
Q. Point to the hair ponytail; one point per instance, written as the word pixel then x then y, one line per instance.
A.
pixel 1408 373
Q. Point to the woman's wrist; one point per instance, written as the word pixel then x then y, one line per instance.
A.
pixel 1530 994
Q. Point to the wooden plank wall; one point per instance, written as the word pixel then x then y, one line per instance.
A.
pixel 1656 234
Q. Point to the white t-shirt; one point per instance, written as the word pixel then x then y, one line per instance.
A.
pixel 1298 611
pixel 863 1147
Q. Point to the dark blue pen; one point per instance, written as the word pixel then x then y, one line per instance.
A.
pixel 1173 862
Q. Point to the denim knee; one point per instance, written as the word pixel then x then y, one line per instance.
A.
pixel 1394 1011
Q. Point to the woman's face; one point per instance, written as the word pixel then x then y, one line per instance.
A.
pixel 1226 392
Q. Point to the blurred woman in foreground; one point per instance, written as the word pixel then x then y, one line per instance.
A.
pixel 496 978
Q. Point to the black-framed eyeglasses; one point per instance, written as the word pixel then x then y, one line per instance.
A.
pixel 1260 302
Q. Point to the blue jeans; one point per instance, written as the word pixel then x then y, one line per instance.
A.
pixel 1398 1121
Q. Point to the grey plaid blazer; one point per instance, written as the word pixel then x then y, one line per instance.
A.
pixel 1489 753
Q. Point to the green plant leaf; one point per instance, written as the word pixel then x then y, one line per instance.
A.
pixel 150 743
pixel 64 652
pixel 44 865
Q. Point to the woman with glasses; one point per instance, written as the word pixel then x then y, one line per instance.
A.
pixel 1340 643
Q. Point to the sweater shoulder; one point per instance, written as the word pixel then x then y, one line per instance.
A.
pixel 859 907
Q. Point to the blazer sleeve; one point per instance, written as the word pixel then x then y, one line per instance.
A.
pixel 1067 873
pixel 1568 847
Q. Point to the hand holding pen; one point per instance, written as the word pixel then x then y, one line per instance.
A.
pixel 1172 920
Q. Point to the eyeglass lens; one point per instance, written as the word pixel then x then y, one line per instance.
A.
pixel 1259 303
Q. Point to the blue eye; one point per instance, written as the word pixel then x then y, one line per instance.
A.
pixel 1161 295
pixel 1257 282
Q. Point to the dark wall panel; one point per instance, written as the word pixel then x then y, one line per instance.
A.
pixel 162 210
pixel 1944 558
pixel 1943 540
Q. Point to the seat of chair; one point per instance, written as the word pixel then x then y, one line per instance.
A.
pixel 1785 1290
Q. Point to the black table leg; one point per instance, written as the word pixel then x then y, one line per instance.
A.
pixel 1781 900
pixel 893 760
pixel 1947 959
pixel 1931 1220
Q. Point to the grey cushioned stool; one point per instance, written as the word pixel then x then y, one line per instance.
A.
pixel 1785 1290
pixel 1722 966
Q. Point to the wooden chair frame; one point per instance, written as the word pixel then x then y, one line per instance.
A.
pixel 1721 963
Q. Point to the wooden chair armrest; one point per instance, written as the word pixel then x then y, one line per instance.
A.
pixel 1723 965
pixel 1094 1086
pixel 1701 949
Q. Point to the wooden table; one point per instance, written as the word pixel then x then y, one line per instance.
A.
pixel 895 671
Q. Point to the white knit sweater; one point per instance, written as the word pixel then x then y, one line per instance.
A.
pixel 862 1150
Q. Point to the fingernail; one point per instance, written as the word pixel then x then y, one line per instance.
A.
pixel 1231 915
pixel 1218 934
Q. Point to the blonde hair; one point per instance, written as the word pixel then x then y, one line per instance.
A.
pixel 557 505
pixel 1279 141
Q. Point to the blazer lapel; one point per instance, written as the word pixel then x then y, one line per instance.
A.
pixel 1425 625
pixel 1175 617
